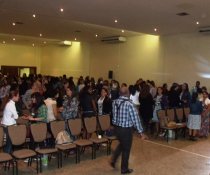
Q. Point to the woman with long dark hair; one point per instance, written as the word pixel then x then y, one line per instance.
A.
pixel 39 109
pixel 194 118
pixel 146 106
pixel 70 105
pixel 204 131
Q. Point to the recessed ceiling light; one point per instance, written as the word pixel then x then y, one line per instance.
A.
pixel 33 44
pixel 122 31
pixel 4 42
pixel 13 39
pixel 34 16
pixel 61 9
pixel 96 35
pixel 197 23
pixel 155 29
pixel 75 39
pixel 40 35
pixel 13 23
pixel 116 21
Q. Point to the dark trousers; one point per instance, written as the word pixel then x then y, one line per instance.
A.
pixel 125 137
pixel 8 146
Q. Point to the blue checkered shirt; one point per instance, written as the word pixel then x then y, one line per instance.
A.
pixel 125 114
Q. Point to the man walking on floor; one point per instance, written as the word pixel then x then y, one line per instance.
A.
pixel 125 117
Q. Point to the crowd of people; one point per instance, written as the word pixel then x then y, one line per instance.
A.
pixel 48 97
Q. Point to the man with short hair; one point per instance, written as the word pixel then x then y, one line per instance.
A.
pixel 125 117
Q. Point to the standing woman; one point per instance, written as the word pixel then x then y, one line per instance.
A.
pixel 161 102
pixel 10 116
pixel 104 103
pixel 70 105
pixel 204 131
pixel 146 106
pixel 185 96
pixel 194 119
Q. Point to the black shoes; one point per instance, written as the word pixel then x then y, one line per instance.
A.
pixel 112 164
pixel 192 138
pixel 128 171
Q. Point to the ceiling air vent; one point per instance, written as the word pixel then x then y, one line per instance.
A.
pixel 183 14
pixel 114 39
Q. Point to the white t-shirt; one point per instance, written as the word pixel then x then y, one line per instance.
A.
pixel 100 106
pixel 135 98
pixel 9 114
pixel 50 114
pixel 207 101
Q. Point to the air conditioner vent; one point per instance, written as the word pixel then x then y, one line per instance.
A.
pixel 114 39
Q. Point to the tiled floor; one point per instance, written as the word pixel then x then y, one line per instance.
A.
pixel 152 157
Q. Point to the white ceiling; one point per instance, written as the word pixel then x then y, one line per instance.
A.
pixel 97 17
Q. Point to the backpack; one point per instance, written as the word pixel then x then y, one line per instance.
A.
pixel 63 137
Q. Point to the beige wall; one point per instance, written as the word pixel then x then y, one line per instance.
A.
pixel 72 61
pixel 180 58
pixel 20 55
pixel 139 57
pixel 176 58
pixel 186 58
pixel 49 60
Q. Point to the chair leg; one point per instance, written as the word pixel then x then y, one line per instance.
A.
pixel 40 163
pixel 76 156
pixel 78 150
pixel 37 164
pixel 167 132
pixel 16 168
pixel 58 159
pixel 13 168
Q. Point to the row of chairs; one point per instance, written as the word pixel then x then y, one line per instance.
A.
pixel 177 115
pixel 38 131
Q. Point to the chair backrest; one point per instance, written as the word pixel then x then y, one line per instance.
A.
pixel 179 114
pixel 75 126
pixel 17 134
pixel 1 137
pixel 162 117
pixel 39 132
pixel 104 122
pixel 170 114
pixel 56 127
pixel 186 112
pixel 90 124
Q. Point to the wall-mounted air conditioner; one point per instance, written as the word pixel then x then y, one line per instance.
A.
pixel 114 39
pixel 205 30
pixel 65 43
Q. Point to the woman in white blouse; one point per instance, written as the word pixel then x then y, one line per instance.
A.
pixel 10 116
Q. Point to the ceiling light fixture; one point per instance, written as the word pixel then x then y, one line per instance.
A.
pixel 155 29
pixel 96 35
pixel 122 31
pixel 75 39
pixel 34 16
pixel 13 23
pixel 44 42
pixel 61 9
pixel 13 39
pixel 197 23
pixel 33 44
pixel 40 35
pixel 4 42
pixel 116 21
